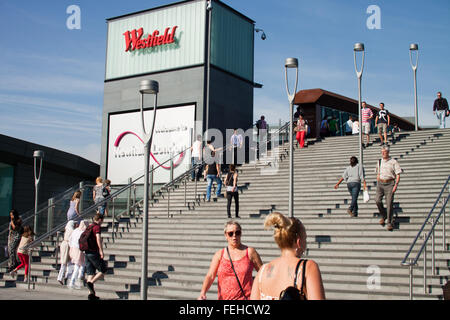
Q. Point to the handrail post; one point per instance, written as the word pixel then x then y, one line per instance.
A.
pixel 195 196
pixel 50 213
pixel 113 218
pixel 150 193
pixel 134 200
pixel 432 250
pixel 444 240
pixel 130 181
pixel 411 266
pixel 80 206
pixel 30 258
pixel 425 268
pixel 185 190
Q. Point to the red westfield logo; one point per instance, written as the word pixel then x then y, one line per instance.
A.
pixel 134 41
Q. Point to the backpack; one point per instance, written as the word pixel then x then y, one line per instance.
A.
pixel 292 292
pixel 105 191
pixel 83 242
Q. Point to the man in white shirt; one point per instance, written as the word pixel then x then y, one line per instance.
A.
pixel 196 155
pixel 236 143
pixel 388 176
pixel 349 126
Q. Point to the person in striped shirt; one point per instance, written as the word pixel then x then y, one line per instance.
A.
pixel 366 115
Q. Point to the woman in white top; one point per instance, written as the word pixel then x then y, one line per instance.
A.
pixel 355 127
pixel 65 268
pixel 274 277
pixel 76 256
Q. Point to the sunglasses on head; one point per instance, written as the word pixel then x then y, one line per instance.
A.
pixel 232 233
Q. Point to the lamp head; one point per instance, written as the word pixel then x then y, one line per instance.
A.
pixel 291 63
pixel 358 47
pixel 38 154
pixel 413 47
pixel 149 87
pixel 263 35
pixel 209 5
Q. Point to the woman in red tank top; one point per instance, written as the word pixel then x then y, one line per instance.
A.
pixel 244 260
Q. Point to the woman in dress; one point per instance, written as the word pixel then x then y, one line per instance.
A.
pixel 97 194
pixel 74 212
pixel 64 253
pixel 76 256
pixel 14 236
pixel 243 259
pixel 288 269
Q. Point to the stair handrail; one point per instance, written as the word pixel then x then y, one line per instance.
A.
pixel 86 212
pixel 29 215
pixel 413 261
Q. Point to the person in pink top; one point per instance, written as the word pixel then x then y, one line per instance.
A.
pixel 234 278
pixel 366 115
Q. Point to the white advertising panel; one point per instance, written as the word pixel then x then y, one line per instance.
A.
pixel 172 135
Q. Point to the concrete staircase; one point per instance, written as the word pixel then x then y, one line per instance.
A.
pixel 348 250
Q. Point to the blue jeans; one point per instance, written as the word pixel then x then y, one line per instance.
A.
pixel 210 178
pixel 195 174
pixel 440 114
pixel 354 188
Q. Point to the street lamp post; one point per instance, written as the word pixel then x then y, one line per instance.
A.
pixel 415 47
pixel 290 64
pixel 359 47
pixel 146 87
pixel 38 155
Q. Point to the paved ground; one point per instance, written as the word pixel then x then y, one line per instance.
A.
pixel 23 294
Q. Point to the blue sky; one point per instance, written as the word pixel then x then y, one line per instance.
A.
pixel 51 78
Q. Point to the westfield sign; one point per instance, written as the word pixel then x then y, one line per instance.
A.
pixel 134 41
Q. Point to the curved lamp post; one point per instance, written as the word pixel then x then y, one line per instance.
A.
pixel 38 155
pixel 415 47
pixel 291 63
pixel 263 34
pixel 146 87
pixel 359 47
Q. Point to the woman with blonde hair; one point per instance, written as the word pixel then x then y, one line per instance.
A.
pixel 233 267
pixel 64 253
pixel 74 212
pixel 76 256
pixel 288 277
pixel 97 194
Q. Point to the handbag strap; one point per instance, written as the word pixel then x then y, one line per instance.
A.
pixel 303 274
pixel 237 278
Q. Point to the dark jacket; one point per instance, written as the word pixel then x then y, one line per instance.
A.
pixel 440 104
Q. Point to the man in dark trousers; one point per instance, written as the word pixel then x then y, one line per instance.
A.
pixel 94 256
pixel 388 176
pixel 440 109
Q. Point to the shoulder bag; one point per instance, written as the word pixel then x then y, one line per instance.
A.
pixel 292 292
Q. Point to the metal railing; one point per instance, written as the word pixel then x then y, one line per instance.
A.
pixel 51 212
pixel 426 236
pixel 132 202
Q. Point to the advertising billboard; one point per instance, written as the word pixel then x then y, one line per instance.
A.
pixel 156 40
pixel 172 135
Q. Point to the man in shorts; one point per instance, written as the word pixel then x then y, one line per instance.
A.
pixel 382 122
pixel 94 256
pixel 366 115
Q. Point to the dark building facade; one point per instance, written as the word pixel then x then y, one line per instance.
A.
pixel 60 171
pixel 318 103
